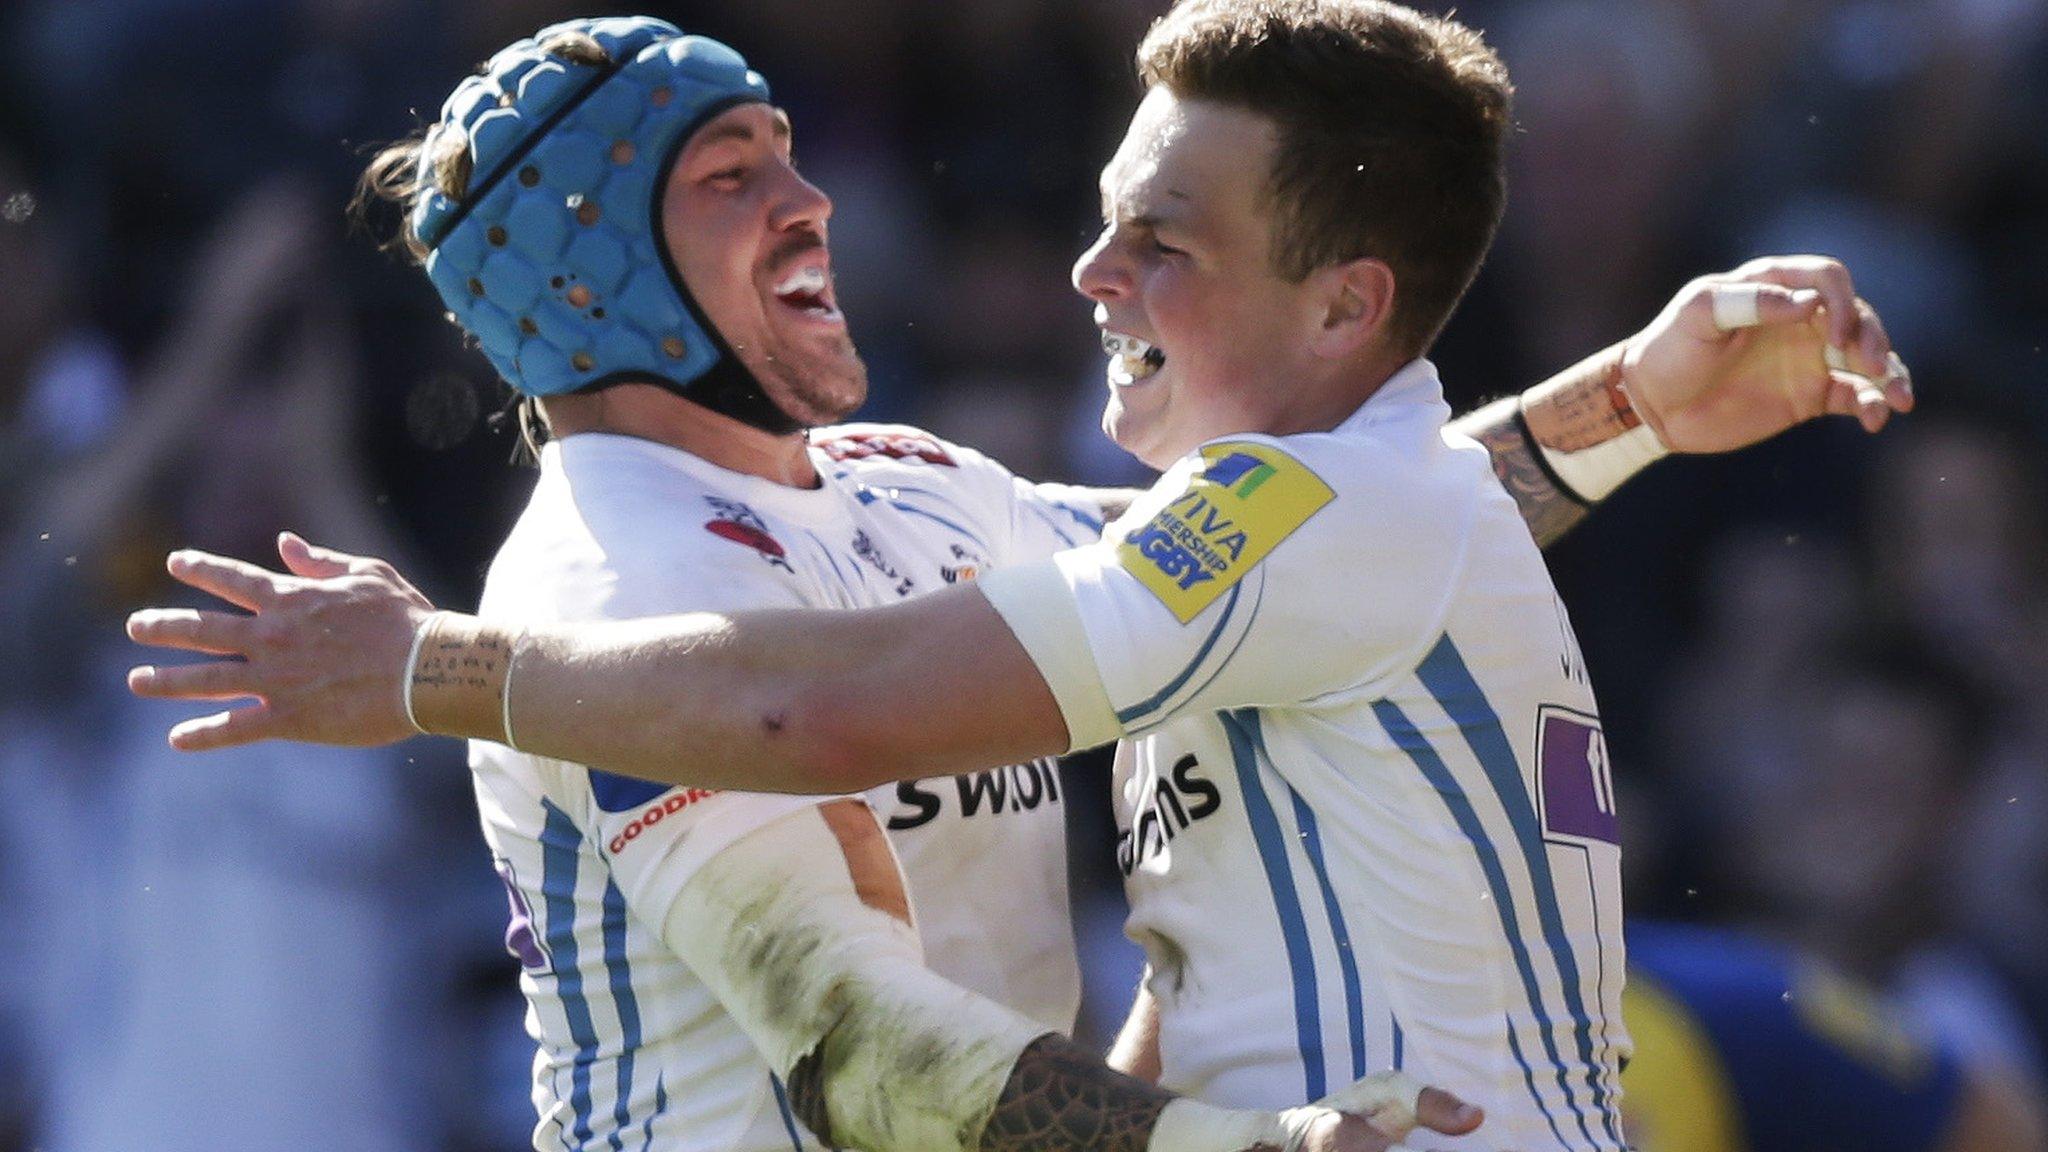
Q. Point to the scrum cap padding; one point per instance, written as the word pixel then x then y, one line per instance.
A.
pixel 553 260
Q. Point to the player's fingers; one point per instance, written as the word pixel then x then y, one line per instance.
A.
pixel 224 729
pixel 1850 394
pixel 1898 384
pixel 1439 1111
pixel 302 558
pixel 236 581
pixel 1823 274
pixel 1871 354
pixel 214 633
pixel 1738 306
pixel 218 680
pixel 1735 306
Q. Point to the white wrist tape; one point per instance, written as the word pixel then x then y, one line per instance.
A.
pixel 1594 473
pixel 1192 1126
pixel 412 660
pixel 1388 1099
pixel 505 691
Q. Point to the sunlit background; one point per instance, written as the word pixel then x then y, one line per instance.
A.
pixel 1820 661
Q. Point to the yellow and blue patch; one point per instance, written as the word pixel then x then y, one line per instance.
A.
pixel 1247 498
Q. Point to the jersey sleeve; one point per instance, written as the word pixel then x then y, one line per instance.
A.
pixel 1250 582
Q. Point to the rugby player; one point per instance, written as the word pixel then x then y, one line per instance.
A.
pixel 1759 374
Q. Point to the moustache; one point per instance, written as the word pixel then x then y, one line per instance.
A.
pixel 796 246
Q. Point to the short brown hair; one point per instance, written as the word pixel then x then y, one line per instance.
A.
pixel 1391 125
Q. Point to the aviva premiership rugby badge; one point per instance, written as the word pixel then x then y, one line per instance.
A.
pixel 1246 499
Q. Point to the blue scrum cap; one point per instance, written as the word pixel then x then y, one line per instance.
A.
pixel 553 259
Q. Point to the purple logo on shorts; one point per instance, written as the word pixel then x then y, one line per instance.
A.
pixel 1576 787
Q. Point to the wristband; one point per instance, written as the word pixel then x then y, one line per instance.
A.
pixel 455 684
pixel 1592 474
pixel 512 648
pixel 412 661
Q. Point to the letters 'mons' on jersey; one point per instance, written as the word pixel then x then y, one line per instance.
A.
pixel 634 1052
pixel 1365 812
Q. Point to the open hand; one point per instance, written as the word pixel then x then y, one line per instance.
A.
pixel 323 652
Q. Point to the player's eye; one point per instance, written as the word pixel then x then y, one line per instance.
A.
pixel 728 177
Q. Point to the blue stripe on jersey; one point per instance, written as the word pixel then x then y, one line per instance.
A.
pixel 788 1117
pixel 942 521
pixel 1529 1079
pixel 1411 740
pixel 1397 1044
pixel 1444 673
pixel 1243 635
pixel 560 844
pixel 1093 523
pixel 1058 531
pixel 1242 727
pixel 1354 1000
pixel 660 1106
pixel 619 974
pixel 829 558
pixel 1134 715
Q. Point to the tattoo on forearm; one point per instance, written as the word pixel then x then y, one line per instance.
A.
pixel 1549 511
pixel 1583 406
pixel 1060 1096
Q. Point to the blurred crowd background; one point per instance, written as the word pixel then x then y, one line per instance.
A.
pixel 1819 660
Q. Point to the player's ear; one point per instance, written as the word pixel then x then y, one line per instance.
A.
pixel 1356 299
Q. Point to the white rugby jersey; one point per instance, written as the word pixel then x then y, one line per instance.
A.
pixel 634 1052
pixel 1366 818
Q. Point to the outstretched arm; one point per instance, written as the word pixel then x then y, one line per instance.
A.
pixel 779 701
pixel 1732 359
pixel 801 929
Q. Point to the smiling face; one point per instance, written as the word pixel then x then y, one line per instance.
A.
pixel 1204 335
pixel 747 235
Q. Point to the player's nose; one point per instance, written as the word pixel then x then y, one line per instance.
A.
pixel 1100 274
pixel 800 203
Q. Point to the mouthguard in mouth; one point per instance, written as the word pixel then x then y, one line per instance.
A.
pixel 805 290
pixel 1131 359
